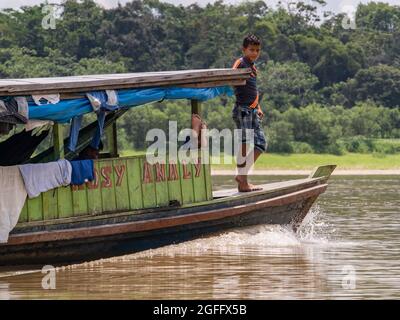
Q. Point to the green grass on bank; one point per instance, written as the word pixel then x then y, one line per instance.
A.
pixel 309 161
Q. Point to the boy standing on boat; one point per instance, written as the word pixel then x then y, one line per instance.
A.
pixel 247 114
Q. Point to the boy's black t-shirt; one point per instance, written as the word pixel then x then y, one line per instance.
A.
pixel 248 93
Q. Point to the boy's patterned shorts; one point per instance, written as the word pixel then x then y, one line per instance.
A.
pixel 247 118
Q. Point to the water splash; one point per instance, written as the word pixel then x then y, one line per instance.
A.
pixel 315 227
pixel 261 238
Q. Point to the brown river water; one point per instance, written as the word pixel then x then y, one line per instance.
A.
pixel 348 248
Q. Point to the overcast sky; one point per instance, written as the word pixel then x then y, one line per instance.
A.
pixel 333 5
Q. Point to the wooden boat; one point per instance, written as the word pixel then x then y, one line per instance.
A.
pixel 132 205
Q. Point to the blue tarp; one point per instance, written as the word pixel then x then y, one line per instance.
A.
pixel 65 110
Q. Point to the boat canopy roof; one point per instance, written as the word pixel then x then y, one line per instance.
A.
pixel 132 89
pixel 80 84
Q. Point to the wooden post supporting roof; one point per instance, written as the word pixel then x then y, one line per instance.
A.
pixel 111 133
pixel 58 138
pixel 196 107
pixel 196 125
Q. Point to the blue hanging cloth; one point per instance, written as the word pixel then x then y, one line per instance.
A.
pixel 82 171
pixel 65 110
pixel 99 101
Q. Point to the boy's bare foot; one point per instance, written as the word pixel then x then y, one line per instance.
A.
pixel 240 179
pixel 244 186
pixel 248 187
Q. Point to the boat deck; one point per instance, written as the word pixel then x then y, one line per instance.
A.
pixel 265 188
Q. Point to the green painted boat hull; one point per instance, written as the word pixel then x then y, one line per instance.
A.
pixel 83 238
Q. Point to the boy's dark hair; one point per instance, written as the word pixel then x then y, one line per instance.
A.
pixel 251 39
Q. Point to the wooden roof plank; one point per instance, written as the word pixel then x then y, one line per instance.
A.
pixel 77 95
pixel 117 81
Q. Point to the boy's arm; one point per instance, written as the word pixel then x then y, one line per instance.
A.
pixel 237 64
pixel 260 112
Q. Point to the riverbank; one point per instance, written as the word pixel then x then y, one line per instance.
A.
pixel 302 164
pixel 337 172
pixel 350 163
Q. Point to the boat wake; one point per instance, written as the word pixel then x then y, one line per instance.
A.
pixel 259 240
pixel 7 273
pixel 255 240
pixel 314 229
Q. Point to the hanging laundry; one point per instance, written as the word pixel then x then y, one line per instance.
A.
pixel 18 148
pixel 3 107
pixel 103 100
pixel 50 98
pixel 101 117
pixel 12 199
pixel 41 177
pixel 95 102
pixel 82 171
pixel 12 111
pixel 108 102
pixel 9 111
pixel 33 124
pixel 112 97
pixel 22 106
pixel 76 124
